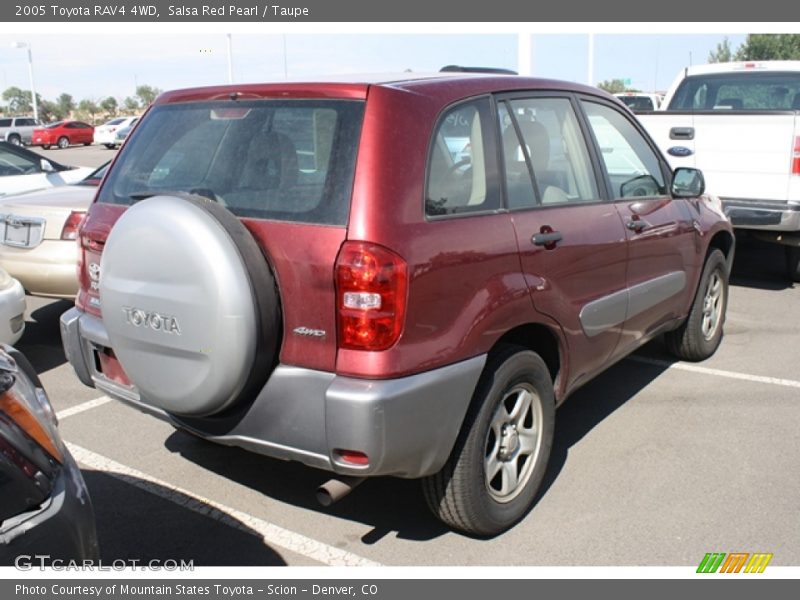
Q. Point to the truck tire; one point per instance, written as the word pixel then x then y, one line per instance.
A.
pixel 15 140
pixel 700 334
pixel 793 263
pixel 190 305
pixel 497 465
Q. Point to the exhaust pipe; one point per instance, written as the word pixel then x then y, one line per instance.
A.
pixel 335 489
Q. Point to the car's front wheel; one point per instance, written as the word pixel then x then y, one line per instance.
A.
pixel 497 465
pixel 701 333
pixel 109 146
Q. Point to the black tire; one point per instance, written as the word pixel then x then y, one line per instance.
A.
pixel 87 143
pixel 109 146
pixel 701 333
pixel 63 142
pixel 793 263
pixel 45 146
pixel 461 494
pixel 15 140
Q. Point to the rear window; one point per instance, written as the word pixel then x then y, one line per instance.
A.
pixel 290 160
pixel 745 90
pixel 638 102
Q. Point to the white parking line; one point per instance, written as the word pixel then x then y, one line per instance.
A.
pixel 272 534
pixel 681 366
pixel 74 410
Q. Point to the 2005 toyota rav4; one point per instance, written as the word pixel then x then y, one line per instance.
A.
pixel 400 277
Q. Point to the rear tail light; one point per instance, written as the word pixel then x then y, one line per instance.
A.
pixel 70 230
pixel 796 156
pixel 371 283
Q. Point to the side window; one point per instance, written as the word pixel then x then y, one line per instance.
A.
pixel 5 122
pixel 458 180
pixel 545 155
pixel 631 165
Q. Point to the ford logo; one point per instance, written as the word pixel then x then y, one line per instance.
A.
pixel 680 151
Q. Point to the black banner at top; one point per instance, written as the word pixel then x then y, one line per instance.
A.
pixel 457 11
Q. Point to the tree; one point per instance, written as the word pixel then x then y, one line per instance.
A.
pixel 759 46
pixel 723 53
pixel 109 106
pixel 66 104
pixel 615 86
pixel 89 107
pixel 146 94
pixel 130 105
pixel 19 101
pixel 50 111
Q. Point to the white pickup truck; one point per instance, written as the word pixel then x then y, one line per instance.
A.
pixel 740 124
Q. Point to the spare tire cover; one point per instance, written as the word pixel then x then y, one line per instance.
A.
pixel 189 304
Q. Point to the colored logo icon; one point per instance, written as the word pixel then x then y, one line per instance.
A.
pixel 736 562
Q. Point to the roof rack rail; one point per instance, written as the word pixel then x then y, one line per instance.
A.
pixel 460 69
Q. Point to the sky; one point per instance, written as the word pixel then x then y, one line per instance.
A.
pixel 95 64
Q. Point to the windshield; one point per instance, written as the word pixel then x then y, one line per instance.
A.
pixel 743 90
pixel 287 160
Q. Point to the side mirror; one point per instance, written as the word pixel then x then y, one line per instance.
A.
pixel 687 183
pixel 45 165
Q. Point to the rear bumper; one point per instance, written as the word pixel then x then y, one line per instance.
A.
pixel 762 214
pixel 407 426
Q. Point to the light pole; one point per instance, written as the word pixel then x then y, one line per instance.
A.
pixel 30 73
pixel 230 60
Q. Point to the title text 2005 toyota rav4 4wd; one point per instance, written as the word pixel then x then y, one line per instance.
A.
pixel 401 277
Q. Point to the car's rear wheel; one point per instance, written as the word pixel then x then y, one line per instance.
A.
pixel 15 140
pixel 109 146
pixel 701 333
pixel 63 142
pixel 497 465
pixel 45 146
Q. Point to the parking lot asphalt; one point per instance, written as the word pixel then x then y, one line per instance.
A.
pixel 655 462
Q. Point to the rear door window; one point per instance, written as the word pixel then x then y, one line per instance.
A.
pixel 544 153
pixel 290 160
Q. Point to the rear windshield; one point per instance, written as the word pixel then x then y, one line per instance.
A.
pixel 290 160
pixel 745 90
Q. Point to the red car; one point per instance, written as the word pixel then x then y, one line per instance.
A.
pixel 63 134
pixel 401 277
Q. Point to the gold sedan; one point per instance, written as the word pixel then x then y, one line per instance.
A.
pixel 38 233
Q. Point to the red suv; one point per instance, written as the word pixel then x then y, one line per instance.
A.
pixel 400 277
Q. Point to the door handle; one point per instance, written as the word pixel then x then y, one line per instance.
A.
pixel 636 225
pixel 681 133
pixel 547 239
